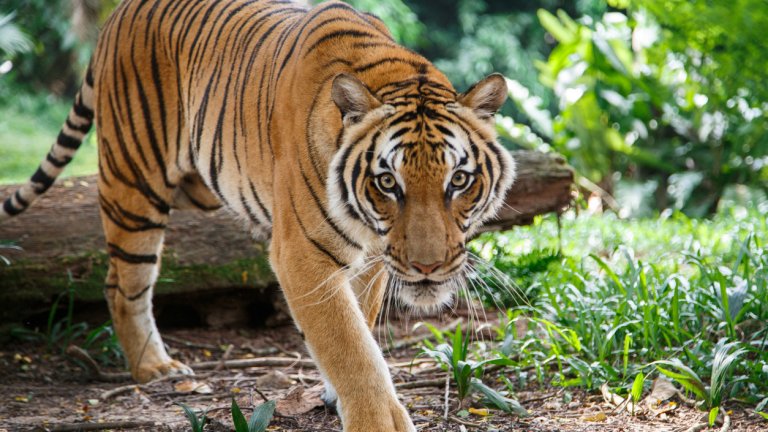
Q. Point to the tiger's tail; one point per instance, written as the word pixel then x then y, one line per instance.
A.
pixel 77 125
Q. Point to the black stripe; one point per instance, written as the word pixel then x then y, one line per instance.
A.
pixel 365 67
pixel 337 34
pixel 326 217
pixel 116 252
pixel 259 202
pixel 82 111
pixel 24 203
pixel 314 242
pixel 10 209
pixel 200 205
pixel 67 141
pixel 119 216
pixel 84 128
pixel 56 162
pixel 127 297
pixel 444 130
pixel 89 77
pixel 140 183
pixel 41 178
pixel 149 128
pixel 136 296
pixel 399 133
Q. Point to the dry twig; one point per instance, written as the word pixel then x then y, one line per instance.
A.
pixel 420 384
pixel 224 358
pixel 74 427
pixel 410 341
pixel 93 368
pixel 130 387
pixel 447 386
pixel 256 362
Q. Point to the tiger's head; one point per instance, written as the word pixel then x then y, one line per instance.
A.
pixel 418 171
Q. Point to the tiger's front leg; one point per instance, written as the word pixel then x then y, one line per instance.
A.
pixel 134 231
pixel 337 333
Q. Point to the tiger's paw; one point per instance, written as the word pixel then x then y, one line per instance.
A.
pixel 150 371
pixel 390 416
pixel 329 396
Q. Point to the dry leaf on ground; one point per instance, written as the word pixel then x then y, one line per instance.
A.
pixel 299 401
pixel 192 386
pixel 274 380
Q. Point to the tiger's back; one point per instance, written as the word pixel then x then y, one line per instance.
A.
pixel 227 89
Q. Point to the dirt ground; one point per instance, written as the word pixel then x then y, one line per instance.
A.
pixel 45 392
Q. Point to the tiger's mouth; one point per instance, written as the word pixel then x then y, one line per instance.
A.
pixel 424 292
pixel 447 272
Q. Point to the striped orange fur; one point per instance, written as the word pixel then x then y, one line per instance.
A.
pixel 353 155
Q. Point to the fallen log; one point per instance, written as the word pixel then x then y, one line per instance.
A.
pixel 62 245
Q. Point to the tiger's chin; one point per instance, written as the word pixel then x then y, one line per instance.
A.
pixel 427 295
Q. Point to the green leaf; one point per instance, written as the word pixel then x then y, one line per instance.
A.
pixel 713 415
pixel 261 417
pixel 238 418
pixel 436 332
pixel 693 385
pixel 614 277
pixel 625 355
pixel 722 363
pixel 197 423
pixel 497 400
pixel 762 414
pixel 637 387
pixel 555 27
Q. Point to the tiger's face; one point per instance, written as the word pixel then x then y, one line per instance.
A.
pixel 419 170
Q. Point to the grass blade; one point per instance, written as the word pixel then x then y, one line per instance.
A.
pixel 197 423
pixel 496 399
pixel 261 417
pixel 238 418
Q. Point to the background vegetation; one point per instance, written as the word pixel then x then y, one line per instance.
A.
pixel 660 104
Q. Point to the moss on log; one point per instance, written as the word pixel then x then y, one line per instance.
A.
pixel 63 243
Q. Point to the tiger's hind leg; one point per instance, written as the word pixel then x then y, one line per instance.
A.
pixel 134 230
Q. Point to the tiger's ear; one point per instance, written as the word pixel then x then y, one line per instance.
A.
pixel 486 96
pixel 353 98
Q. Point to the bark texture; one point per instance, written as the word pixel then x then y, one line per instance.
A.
pixel 63 244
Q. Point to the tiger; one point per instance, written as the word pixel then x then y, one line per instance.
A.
pixel 352 155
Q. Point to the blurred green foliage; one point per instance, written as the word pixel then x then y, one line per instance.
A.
pixel 655 98
pixel 48 66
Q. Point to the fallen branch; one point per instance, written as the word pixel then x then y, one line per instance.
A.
pixel 190 344
pixel 255 362
pixel 420 384
pixel 93 368
pixel 410 341
pixel 74 427
pixel 464 422
pixel 95 371
pixel 131 387
pixel 726 422
pixel 224 357
pixel 447 400
pixel 542 398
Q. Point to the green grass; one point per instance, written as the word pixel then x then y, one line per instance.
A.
pixel 605 298
pixel 28 127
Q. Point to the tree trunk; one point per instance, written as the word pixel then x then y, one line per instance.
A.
pixel 63 244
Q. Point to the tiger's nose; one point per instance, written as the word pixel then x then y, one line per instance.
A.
pixel 426 268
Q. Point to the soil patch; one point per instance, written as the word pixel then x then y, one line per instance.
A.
pixel 40 391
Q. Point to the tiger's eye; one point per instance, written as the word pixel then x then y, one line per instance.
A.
pixel 387 181
pixel 459 179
